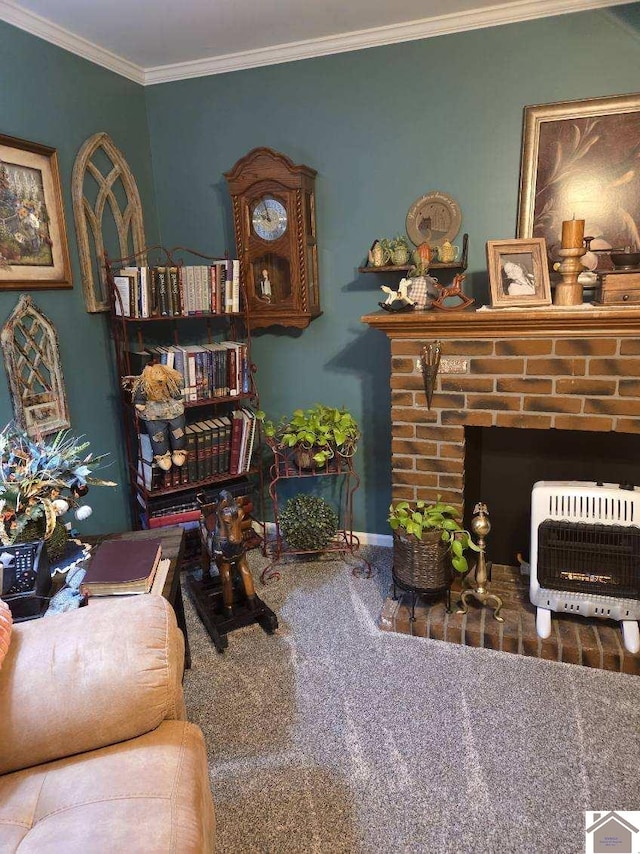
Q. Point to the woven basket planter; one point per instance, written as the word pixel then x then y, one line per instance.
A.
pixel 423 566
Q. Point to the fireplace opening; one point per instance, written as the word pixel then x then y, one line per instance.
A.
pixel 502 464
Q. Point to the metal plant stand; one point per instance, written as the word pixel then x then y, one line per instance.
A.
pixel 285 467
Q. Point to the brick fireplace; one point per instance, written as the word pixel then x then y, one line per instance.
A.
pixel 564 369
pixel 543 369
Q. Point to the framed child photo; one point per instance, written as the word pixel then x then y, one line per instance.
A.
pixel 518 272
pixel 34 252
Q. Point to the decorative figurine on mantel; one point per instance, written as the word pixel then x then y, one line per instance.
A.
pixel 400 300
pixel 453 290
pixel 157 396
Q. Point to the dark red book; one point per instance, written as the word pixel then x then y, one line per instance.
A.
pixel 122 567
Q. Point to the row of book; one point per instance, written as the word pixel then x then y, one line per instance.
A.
pixel 186 508
pixel 178 290
pixel 126 567
pixel 215 446
pixel 208 370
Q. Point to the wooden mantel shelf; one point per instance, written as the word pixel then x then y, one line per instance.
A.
pixel 592 321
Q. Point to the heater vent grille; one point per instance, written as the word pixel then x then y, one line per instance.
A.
pixel 595 508
pixel 589 558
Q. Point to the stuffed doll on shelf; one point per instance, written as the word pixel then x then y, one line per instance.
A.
pixel 157 397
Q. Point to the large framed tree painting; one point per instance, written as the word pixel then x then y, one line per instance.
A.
pixel 34 252
pixel 582 159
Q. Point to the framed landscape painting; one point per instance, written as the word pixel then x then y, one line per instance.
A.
pixel 518 273
pixel 581 158
pixel 34 252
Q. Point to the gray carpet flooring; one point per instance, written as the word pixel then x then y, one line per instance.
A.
pixel 333 736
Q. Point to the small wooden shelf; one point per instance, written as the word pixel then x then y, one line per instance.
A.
pixel 208 401
pixel 437 265
pixel 214 480
pixel 460 264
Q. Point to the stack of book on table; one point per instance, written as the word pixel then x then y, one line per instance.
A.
pixel 125 567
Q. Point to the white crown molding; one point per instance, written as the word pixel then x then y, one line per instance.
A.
pixel 624 25
pixel 38 26
pixel 493 16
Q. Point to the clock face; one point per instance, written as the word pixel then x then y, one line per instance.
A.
pixel 269 218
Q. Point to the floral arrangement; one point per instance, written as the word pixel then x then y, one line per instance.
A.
pixel 40 481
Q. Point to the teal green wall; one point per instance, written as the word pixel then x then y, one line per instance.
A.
pixel 382 126
pixel 50 96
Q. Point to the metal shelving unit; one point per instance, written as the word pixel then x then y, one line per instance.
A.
pixel 284 468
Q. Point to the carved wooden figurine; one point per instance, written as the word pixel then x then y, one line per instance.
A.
pixel 228 548
pixel 453 290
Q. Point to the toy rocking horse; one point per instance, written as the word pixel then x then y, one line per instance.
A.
pixel 227 600
pixel 452 290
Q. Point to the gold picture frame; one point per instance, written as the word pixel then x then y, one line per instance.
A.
pixel 518 273
pixel 579 158
pixel 34 252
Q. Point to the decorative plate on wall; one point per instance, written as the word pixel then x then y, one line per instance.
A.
pixel 434 218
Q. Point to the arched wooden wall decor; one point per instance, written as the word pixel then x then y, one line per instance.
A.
pixel 32 360
pixel 89 216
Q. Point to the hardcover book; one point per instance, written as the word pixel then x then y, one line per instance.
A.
pixel 120 567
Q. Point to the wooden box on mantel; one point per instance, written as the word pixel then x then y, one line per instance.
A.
pixel 618 287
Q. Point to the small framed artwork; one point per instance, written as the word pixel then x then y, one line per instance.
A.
pixel 518 272
pixel 34 253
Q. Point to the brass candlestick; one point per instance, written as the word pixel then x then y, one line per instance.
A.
pixel 480 525
pixel 569 290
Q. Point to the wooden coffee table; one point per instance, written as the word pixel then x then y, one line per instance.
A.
pixel 172 539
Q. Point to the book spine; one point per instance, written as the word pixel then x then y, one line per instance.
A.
pixel 236 440
pixel 163 292
pixel 154 308
pixel 192 453
pixel 235 294
pixel 174 518
pixel 212 288
pixel 144 292
pixel 228 287
pixel 174 290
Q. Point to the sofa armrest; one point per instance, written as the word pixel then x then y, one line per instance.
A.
pixel 82 680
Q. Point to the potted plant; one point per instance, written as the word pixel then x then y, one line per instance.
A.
pixel 39 482
pixel 308 522
pixel 316 434
pixel 428 541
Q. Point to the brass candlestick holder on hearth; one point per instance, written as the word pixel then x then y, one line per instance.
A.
pixel 480 525
pixel 569 290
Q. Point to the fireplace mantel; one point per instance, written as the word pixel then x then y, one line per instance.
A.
pixel 590 321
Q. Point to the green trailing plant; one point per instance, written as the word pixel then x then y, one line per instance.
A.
pixel 321 430
pixel 413 519
pixel 308 522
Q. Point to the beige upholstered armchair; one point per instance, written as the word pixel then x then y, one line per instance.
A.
pixel 95 754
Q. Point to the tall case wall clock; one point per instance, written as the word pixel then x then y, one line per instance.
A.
pixel 274 219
